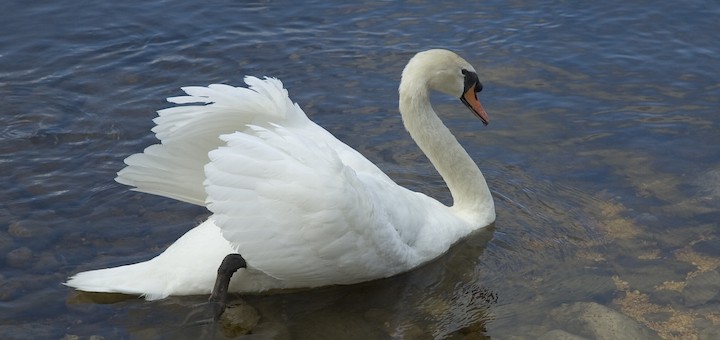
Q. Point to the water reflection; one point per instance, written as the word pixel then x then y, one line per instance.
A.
pixel 441 298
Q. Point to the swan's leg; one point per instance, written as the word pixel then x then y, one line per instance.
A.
pixel 230 264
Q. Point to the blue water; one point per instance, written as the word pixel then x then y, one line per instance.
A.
pixel 602 153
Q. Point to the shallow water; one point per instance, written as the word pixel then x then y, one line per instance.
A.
pixel 602 156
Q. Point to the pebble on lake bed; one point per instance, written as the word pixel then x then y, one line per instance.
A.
pixel 19 257
pixel 711 333
pixel 702 288
pixel 599 322
pixel 20 229
pixel 238 320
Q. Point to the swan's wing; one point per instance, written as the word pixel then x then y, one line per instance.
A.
pixel 295 211
pixel 174 167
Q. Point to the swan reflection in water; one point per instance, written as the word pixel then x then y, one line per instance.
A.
pixel 444 297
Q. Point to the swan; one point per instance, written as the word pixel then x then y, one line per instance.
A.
pixel 301 208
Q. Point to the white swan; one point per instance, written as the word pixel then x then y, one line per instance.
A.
pixel 301 207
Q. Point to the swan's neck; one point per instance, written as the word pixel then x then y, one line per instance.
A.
pixel 471 196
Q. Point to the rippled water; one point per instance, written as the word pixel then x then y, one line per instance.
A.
pixel 602 155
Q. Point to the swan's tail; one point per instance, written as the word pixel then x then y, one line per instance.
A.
pixel 133 279
pixel 187 267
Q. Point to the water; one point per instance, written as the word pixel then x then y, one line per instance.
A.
pixel 602 155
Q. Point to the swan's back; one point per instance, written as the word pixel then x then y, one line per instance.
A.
pixel 328 223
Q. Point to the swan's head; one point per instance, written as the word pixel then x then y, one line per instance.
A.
pixel 446 72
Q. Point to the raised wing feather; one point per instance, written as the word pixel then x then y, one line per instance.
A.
pixel 174 167
pixel 295 211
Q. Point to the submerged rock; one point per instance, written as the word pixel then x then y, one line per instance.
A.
pixel 19 257
pixel 596 321
pixel 711 333
pixel 21 229
pixel 238 320
pixel 702 288
pixel 708 247
pixel 667 297
pixel 645 275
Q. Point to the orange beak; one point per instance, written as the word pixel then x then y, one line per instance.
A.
pixel 469 98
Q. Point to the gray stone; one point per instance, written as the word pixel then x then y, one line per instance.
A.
pixel 46 262
pixel 645 275
pixel 19 257
pixel 238 320
pixel 668 297
pixel 40 235
pixel 595 321
pixel 710 333
pixel 708 247
pixel 21 229
pixel 702 288
pixel 702 323
pixel 559 334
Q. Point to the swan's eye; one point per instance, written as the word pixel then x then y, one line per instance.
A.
pixel 471 80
